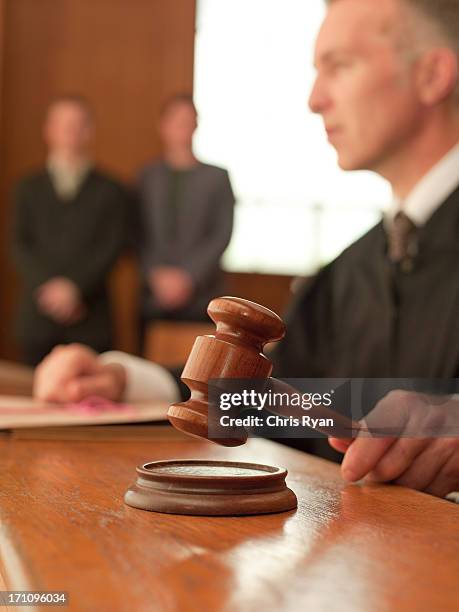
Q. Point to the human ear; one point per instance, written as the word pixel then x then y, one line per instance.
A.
pixel 436 75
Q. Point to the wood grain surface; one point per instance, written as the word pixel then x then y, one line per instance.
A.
pixel 64 526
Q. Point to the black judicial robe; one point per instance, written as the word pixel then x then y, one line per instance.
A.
pixel 361 316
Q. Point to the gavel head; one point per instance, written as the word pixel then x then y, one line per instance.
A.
pixel 235 351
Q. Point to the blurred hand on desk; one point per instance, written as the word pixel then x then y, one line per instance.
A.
pixel 74 372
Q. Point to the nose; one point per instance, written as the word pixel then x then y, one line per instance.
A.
pixel 318 98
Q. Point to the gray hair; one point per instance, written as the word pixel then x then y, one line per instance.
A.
pixel 435 20
pixel 443 15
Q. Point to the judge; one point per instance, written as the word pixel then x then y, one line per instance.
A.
pixel 387 90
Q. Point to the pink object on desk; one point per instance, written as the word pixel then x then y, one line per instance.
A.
pixel 95 405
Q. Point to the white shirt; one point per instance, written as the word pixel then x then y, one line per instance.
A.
pixel 145 380
pixel 149 381
pixel 67 180
pixel 430 192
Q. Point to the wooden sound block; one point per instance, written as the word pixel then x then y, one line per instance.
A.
pixel 210 488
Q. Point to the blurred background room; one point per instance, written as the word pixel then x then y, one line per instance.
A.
pixel 248 67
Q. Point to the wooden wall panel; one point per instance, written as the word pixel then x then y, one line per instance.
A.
pixel 2 36
pixel 3 282
pixel 126 56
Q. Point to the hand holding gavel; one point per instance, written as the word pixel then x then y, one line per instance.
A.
pixel 236 352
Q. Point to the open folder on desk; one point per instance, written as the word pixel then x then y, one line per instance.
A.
pixel 17 412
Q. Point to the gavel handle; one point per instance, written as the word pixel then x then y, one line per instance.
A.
pixel 343 426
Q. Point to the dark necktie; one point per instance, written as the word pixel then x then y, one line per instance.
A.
pixel 402 241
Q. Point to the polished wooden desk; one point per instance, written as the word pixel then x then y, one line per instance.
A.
pixel 63 526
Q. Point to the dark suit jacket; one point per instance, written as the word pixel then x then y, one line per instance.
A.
pixel 204 227
pixel 79 239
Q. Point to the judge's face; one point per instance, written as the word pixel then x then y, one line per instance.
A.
pixel 365 88
pixel 178 124
pixel 68 128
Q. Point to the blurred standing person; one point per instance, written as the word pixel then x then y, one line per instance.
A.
pixel 186 210
pixel 68 231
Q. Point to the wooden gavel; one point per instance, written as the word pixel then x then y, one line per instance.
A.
pixel 234 352
pixel 207 487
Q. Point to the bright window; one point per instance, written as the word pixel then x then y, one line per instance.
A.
pixel 253 74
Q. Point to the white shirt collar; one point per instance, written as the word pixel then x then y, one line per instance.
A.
pixel 430 192
pixel 67 180
pixel 55 166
